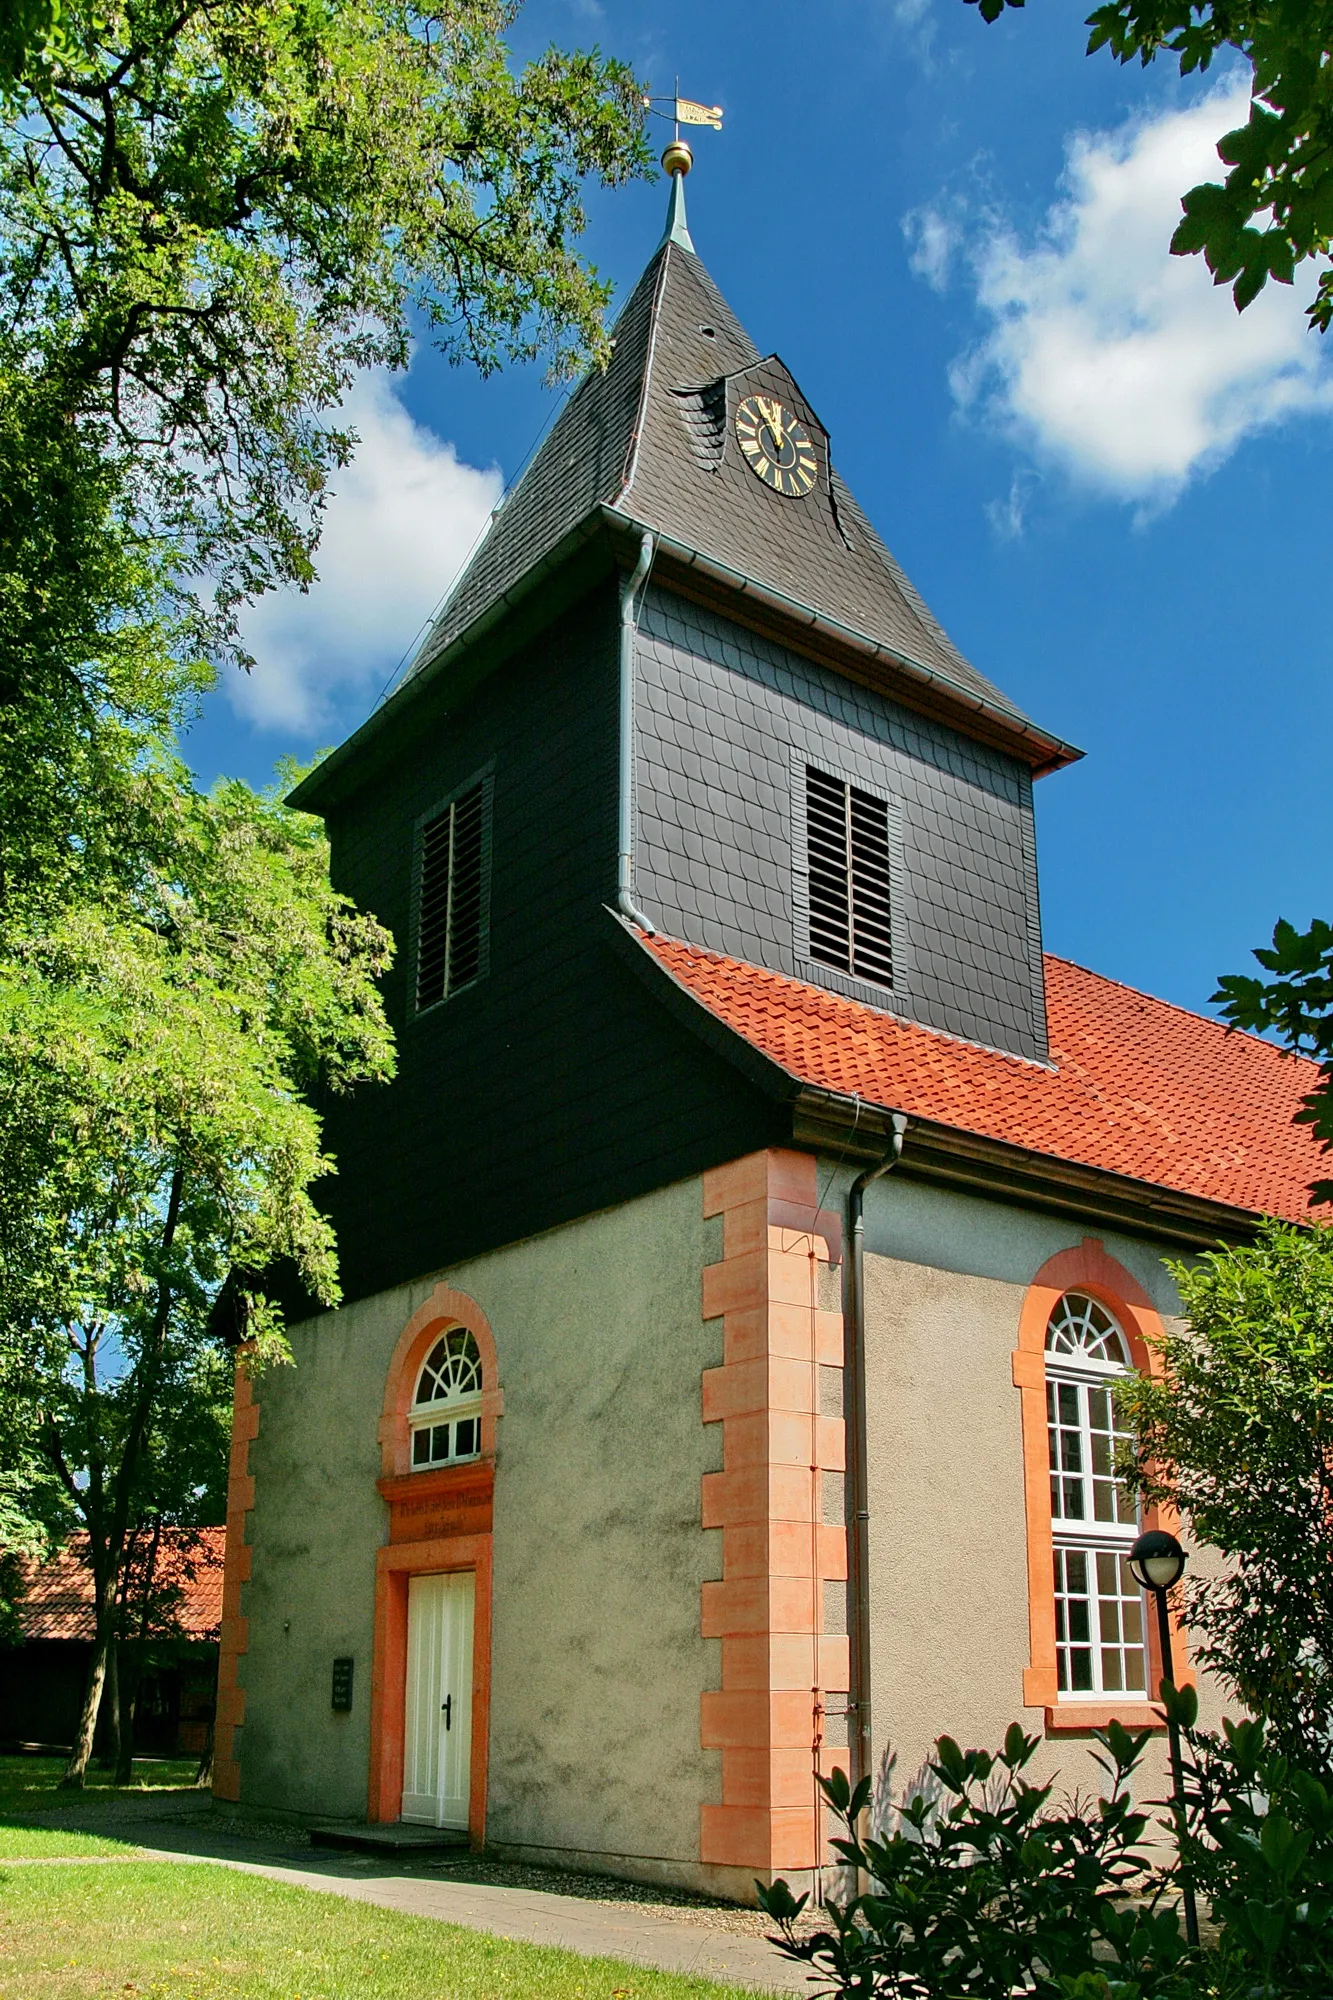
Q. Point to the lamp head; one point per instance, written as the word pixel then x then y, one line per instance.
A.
pixel 1157 1560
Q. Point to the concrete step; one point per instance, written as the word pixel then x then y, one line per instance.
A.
pixel 398 1838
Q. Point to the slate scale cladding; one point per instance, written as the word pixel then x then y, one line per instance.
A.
pixel 726 724
pixel 558 1084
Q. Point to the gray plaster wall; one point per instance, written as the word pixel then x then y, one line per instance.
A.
pixel 946 1276
pixel 597 1659
pixel 726 722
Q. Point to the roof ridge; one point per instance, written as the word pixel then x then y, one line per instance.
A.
pixel 631 464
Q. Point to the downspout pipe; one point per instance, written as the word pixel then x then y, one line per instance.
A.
pixel 629 590
pixel 858 1483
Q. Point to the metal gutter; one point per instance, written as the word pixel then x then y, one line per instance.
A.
pixel 629 587
pixel 858 1449
pixel 790 610
pixel 1046 752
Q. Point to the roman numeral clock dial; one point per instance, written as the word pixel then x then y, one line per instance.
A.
pixel 778 448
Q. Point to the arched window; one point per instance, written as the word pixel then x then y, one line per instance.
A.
pixel 1099 1621
pixel 445 1417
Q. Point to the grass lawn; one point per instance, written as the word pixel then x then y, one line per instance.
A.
pixel 164 1931
pixel 31 1785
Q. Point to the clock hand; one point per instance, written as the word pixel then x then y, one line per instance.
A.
pixel 771 411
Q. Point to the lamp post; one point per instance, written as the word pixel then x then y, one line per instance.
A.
pixel 1157 1561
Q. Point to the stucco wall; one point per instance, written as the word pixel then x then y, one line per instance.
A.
pixel 597 1659
pixel 946 1277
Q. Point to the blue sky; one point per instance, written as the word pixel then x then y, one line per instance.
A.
pixel 1113 492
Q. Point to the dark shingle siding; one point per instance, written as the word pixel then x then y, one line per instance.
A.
pixel 720 713
pixel 556 1085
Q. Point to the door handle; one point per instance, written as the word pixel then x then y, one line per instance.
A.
pixel 447 1710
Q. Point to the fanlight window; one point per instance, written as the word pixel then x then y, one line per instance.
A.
pixel 1099 1624
pixel 1085 1330
pixel 445 1418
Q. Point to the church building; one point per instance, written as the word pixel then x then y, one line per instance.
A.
pixel 737 1269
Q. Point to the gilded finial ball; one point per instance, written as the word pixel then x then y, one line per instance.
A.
pixel 678 159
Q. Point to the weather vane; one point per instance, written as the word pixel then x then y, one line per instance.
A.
pixel 678 159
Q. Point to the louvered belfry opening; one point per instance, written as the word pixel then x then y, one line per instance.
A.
pixel 450 929
pixel 847 838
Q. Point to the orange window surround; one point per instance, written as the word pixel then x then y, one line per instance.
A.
pixel 1089 1269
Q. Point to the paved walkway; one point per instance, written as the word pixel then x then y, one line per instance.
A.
pixel 668 1937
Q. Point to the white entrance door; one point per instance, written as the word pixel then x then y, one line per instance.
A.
pixel 437 1747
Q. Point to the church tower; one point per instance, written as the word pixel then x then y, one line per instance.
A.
pixel 682 680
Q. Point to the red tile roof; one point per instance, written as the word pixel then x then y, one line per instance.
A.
pixel 58 1602
pixel 1135 1086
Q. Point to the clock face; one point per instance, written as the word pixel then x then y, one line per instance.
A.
pixel 778 448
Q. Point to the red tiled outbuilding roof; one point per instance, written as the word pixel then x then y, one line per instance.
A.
pixel 1134 1086
pixel 58 1599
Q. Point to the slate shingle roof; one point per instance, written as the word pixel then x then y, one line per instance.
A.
pixel 1134 1086
pixel 630 438
pixel 58 1598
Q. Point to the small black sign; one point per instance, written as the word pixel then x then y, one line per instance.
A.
pixel 342 1684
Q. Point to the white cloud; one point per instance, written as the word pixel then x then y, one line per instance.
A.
pixel 1107 355
pixel 933 238
pixel 401 521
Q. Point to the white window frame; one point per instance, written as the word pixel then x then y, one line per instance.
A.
pixel 445 1414
pixel 1116 1609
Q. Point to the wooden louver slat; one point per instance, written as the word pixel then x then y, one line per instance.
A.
pixel 849 864
pixel 450 923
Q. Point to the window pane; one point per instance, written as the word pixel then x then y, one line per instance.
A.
pixel 420 1447
pixel 439 1442
pixel 465 1441
pixel 1098 1623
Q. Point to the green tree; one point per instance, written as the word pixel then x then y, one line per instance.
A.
pixel 1238 1433
pixel 1274 209
pixel 1296 1003
pixel 212 214
pixel 161 1040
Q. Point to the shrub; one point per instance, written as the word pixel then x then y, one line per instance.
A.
pixel 993 1889
pixel 1260 1848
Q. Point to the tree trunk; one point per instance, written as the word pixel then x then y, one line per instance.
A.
pixel 129 1668
pixel 204 1774
pixel 76 1771
pixel 110 1757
